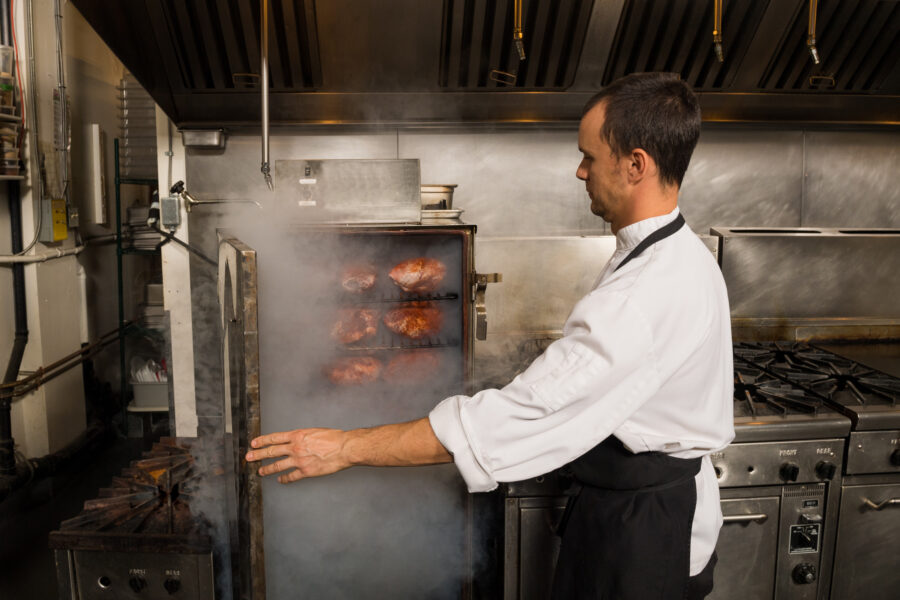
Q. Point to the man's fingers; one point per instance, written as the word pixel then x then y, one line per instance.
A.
pixel 272 438
pixel 277 467
pixel 270 452
pixel 295 475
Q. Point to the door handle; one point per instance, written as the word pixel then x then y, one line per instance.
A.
pixel 760 517
pixel 878 506
pixel 481 282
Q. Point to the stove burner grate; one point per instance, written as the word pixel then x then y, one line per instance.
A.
pixel 827 375
pixel 152 495
pixel 757 390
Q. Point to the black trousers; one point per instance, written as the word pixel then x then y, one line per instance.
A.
pixel 627 534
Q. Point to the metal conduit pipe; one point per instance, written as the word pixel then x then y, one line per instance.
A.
pixel 5 28
pixel 7 444
pixel 41 256
pixel 91 439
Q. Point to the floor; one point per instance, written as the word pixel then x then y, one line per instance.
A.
pixel 27 516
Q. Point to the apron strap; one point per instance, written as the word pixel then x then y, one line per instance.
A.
pixel 658 235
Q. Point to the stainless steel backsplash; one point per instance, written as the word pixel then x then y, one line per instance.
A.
pixel 522 182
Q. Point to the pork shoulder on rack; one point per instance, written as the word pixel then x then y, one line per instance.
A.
pixel 419 275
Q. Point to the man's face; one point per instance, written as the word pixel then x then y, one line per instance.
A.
pixel 603 174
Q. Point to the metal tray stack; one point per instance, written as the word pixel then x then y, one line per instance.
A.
pixel 137 118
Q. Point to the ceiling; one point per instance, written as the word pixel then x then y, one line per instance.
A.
pixel 433 62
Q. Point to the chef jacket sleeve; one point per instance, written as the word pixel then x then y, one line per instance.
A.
pixel 572 397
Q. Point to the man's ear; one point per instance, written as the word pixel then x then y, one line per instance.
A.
pixel 639 165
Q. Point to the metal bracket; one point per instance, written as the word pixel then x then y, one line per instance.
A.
pixel 481 282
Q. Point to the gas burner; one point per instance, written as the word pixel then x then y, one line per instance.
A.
pixel 758 393
pixel 152 495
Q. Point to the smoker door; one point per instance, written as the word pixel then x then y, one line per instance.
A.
pixel 237 293
pixel 747 549
pixel 867 562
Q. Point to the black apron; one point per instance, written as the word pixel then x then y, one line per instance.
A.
pixel 627 534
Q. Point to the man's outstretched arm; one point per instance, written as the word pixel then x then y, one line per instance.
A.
pixel 316 452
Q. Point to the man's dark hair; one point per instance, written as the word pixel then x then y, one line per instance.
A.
pixel 656 112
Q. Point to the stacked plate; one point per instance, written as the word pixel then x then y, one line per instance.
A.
pixel 152 311
pixel 142 236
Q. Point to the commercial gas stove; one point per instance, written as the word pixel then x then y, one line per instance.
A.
pixel 780 484
pixel 869 520
pixel 145 536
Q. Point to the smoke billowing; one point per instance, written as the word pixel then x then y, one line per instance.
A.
pixel 365 532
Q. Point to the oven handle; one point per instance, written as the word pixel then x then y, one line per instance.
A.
pixel 761 517
pixel 878 506
pixel 481 282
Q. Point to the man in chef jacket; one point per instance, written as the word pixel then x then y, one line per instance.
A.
pixel 635 395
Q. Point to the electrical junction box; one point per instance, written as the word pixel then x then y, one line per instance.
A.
pixel 54 221
pixel 95 175
pixel 170 212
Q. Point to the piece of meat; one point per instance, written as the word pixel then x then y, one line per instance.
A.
pixel 415 320
pixel 355 324
pixel 419 275
pixel 412 366
pixel 353 370
pixel 357 279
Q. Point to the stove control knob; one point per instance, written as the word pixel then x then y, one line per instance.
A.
pixel 895 457
pixel 789 471
pixel 804 573
pixel 719 472
pixel 172 585
pixel 826 470
pixel 137 583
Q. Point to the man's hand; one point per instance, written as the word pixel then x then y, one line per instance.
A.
pixel 315 452
pixel 309 452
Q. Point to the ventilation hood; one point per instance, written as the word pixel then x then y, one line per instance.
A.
pixel 453 61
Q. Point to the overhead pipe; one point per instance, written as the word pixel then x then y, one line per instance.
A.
pixel 717 30
pixel 811 33
pixel 518 33
pixel 20 340
pixel 264 82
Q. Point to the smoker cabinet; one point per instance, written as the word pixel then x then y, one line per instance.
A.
pixel 867 562
pixel 401 533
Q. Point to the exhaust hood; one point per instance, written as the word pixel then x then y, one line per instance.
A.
pixel 434 62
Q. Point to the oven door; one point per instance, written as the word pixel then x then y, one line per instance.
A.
pixel 237 293
pixel 866 560
pixel 398 533
pixel 747 549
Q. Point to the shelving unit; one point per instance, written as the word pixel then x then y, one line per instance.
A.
pixel 126 327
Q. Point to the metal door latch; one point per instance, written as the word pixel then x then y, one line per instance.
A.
pixel 481 282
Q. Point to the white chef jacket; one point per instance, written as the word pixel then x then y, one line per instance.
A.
pixel 645 356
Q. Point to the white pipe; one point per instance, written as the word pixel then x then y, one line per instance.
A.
pixel 42 256
pixel 82 288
